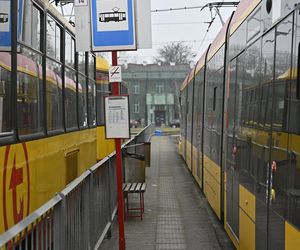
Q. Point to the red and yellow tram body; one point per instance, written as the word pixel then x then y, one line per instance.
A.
pixel 48 112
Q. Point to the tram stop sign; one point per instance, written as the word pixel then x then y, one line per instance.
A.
pixel 106 25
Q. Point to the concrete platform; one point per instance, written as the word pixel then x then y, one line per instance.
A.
pixel 177 215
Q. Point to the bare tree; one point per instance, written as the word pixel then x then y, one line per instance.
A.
pixel 175 52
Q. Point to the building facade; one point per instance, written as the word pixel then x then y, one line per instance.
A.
pixel 154 92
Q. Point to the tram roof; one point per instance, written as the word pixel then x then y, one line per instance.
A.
pixel 219 40
pixel 201 62
pixel 185 82
pixel 192 74
pixel 243 10
pixel 55 13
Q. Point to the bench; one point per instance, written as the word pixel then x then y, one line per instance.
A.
pixel 134 188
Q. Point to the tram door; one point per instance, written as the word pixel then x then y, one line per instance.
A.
pixel 273 174
pixel 183 122
pixel 293 175
pixel 284 174
pixel 232 172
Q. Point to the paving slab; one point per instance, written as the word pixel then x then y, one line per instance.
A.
pixel 177 215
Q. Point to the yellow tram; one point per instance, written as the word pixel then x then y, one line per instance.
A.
pixel 51 113
pixel 240 132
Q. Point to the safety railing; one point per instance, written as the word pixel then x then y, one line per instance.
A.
pixel 80 216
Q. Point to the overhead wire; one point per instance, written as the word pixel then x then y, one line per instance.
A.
pixel 179 23
pixel 182 8
pixel 208 28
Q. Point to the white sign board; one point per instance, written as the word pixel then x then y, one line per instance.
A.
pixel 83 26
pixel 117 117
pixel 115 74
pixel 81 3
pixel 143 24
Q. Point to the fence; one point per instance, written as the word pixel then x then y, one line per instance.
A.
pixel 80 216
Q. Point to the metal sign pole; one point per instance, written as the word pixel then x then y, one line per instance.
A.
pixel 115 92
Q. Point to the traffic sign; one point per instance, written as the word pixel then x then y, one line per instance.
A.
pixel 115 74
pixel 5 23
pixel 113 25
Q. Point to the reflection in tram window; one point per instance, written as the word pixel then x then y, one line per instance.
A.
pixel 53 39
pixel 5 97
pixel 91 66
pixel 92 89
pixel 70 100
pixel 102 90
pixel 82 101
pixel 31 34
pixel 92 103
pixel 267 67
pixel 69 50
pixel 53 95
pixel 81 62
pixel 29 104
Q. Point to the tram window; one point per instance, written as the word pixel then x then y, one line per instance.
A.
pixel 231 95
pixel 82 101
pixel 5 90
pixel 237 41
pixel 53 95
pixel 283 47
pixel 267 67
pixel 254 25
pixel 91 72
pixel 282 67
pixel 81 62
pixel 92 103
pixel 53 39
pixel 250 87
pixel 31 34
pixel 69 50
pixel 29 84
pixel 70 99
pixel 102 90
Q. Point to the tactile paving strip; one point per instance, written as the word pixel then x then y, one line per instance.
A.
pixel 170 229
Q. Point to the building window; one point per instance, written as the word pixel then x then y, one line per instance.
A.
pixel 136 89
pixel 159 89
pixel 136 108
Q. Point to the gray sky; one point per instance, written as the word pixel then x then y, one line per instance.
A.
pixel 182 25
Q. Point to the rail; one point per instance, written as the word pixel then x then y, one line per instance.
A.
pixel 78 217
